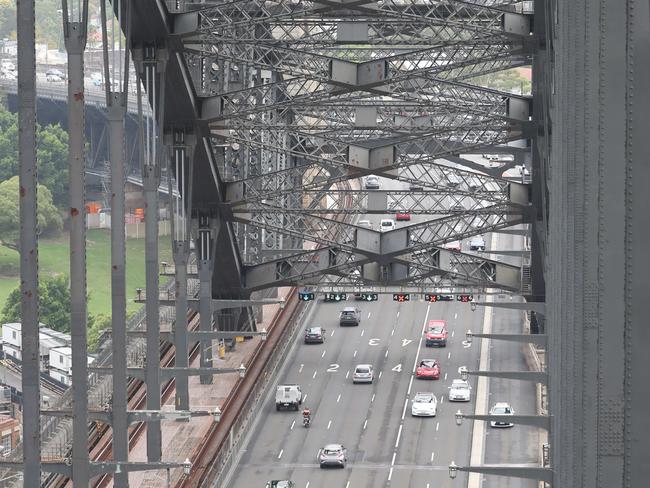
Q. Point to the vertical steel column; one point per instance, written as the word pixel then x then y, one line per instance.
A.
pixel 205 262
pixel 28 242
pixel 152 63
pixel 116 103
pixel 116 116
pixel 75 43
pixel 181 156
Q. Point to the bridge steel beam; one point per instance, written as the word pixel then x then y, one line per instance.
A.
pixel 151 64
pixel 28 243
pixel 116 102
pixel 75 25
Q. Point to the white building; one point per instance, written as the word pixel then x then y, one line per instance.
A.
pixel 60 363
pixel 48 339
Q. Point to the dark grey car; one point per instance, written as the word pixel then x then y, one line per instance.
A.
pixel 314 335
pixel 350 316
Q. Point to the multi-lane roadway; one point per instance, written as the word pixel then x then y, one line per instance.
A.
pixel 386 446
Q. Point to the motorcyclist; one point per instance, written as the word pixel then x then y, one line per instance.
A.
pixel 306 415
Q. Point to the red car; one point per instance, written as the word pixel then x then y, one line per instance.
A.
pixel 429 369
pixel 436 333
pixel 400 216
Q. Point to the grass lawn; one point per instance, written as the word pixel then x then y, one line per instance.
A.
pixel 53 258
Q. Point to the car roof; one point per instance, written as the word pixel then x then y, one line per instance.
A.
pixel 459 382
pixel 314 327
pixel 434 322
pixel 363 366
pixel 424 393
pixel 349 309
pixel 502 405
pixel 332 447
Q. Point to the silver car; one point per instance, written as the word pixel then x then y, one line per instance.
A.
pixel 459 391
pixel 363 373
pixel 332 455
pixel 501 408
pixel 424 405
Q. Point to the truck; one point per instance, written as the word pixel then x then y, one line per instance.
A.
pixel 288 396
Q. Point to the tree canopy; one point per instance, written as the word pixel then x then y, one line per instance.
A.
pixel 48 216
pixel 51 155
pixel 54 303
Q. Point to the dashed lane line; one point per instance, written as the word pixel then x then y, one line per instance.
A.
pixel 338 399
pixel 329 424
pixel 323 355
pixel 314 374
pixel 280 455
pixel 293 424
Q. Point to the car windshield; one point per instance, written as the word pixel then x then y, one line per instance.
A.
pixel 435 330
pixel 501 410
pixel 419 398
pixel 363 370
pixel 386 223
pixel 314 330
pixel 330 452
pixel 460 386
pixel 427 364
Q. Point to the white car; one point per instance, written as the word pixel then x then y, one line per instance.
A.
pixel 454 246
pixel 501 408
pixel 424 405
pixel 365 223
pixel 363 373
pixel 386 224
pixel 372 182
pixel 477 243
pixel 460 391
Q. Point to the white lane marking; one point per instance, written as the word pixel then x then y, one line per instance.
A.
pixel 410 385
pixel 406 402
pixel 380 374
pixel 323 355
pixel 392 332
pixel 390 473
pixel 347 485
pixel 332 333
pixel 452 333
pixel 397 368
pixel 399 434
pixel 445 376
pixel 417 353
pixel 355 354
pixel 293 424
pixel 456 315
pixel 373 398
pixel 307 485
pixel 369 313
pixel 301 366
pixel 329 424
pixel 280 455
pixel 398 314
pixel 338 399
pixel 427 485
pixel 347 374
pixel 304 399
pixel 432 455
pixel 314 374
pixel 448 354
pixel 365 424
pixel 392 463
pixel 437 426
pixel 406 342
pixel 442 399
pixel 362 332
pixel 386 355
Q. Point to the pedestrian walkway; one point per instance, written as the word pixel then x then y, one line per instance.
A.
pixel 180 438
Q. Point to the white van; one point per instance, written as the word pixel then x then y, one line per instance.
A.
pixel 386 224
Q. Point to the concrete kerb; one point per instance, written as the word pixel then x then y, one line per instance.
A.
pixel 263 393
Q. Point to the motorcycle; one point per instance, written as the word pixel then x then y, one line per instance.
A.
pixel 306 421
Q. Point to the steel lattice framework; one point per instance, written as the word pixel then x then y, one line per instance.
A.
pixel 303 98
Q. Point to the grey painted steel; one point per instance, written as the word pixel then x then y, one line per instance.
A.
pixel 541 474
pixel 205 314
pixel 151 64
pixel 28 243
pixel 75 30
pixel 181 252
pixel 116 114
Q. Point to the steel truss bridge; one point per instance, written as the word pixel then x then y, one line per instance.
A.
pixel 268 114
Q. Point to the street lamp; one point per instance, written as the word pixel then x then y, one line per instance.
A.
pixel 187 466
pixel 453 470
pixel 464 373
pixel 242 370
pixel 164 265
pixel 264 334
pixel 216 414
pixel 459 417
pixel 139 292
pixel 473 306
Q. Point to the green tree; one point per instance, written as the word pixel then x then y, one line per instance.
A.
pixel 96 325
pixel 53 303
pixel 509 80
pixel 51 155
pixel 48 217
